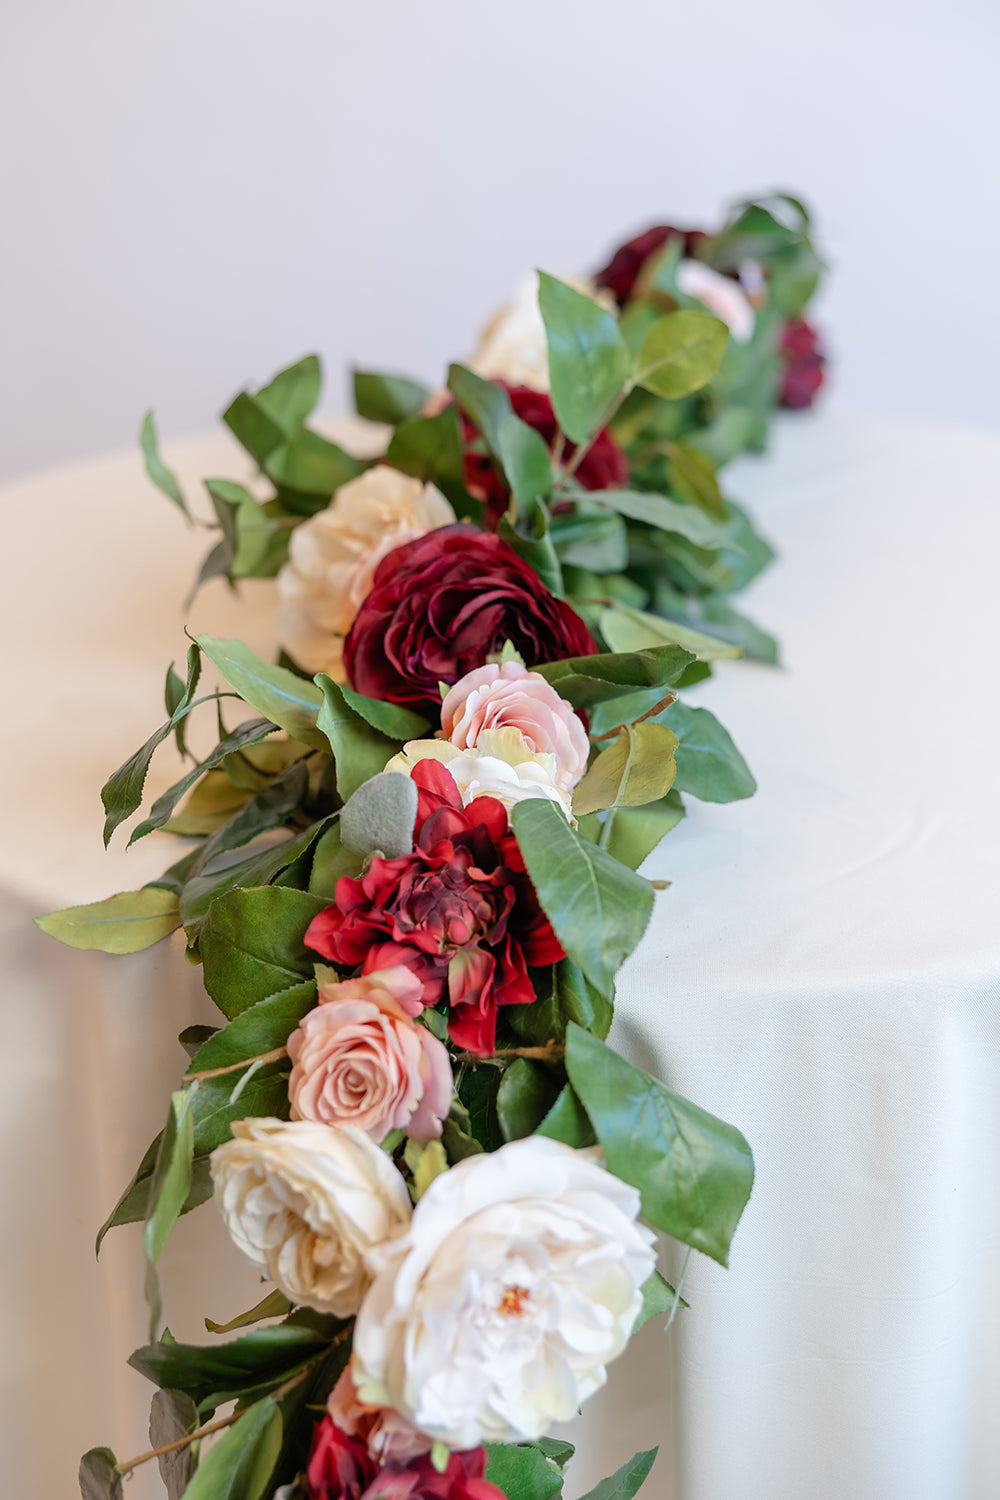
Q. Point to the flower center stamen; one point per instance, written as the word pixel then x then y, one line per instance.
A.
pixel 513 1301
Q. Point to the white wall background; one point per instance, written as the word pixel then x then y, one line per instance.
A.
pixel 194 192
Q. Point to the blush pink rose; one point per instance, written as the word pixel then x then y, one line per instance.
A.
pixel 510 697
pixel 387 1434
pixel 359 1059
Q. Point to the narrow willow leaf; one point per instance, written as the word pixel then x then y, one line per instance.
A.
pixel 672 516
pixel 245 734
pixel 589 360
pixel 122 792
pixel 522 1472
pixel 359 750
pixel 99 1479
pixel 125 923
pixel 585 680
pixel 274 1305
pixel 258 868
pixel 681 353
pixel 597 908
pixel 165 479
pixel 251 945
pixel 260 1028
pixel 173 1415
pixel 594 540
pixel 289 701
pixel 626 1481
pixel 387 398
pixel 240 1464
pixel 637 768
pixel 709 766
pixel 694 1172
pixel 171 1181
pixel 627 629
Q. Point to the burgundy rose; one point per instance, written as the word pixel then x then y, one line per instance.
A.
pixel 339 1466
pixel 419 1480
pixel 459 912
pixel 603 467
pixel 439 605
pixel 803 359
pixel 622 271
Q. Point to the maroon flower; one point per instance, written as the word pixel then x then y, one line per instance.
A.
pixel 622 271
pixel 339 1466
pixel 439 605
pixel 419 1480
pixel 460 912
pixel 603 467
pixel 803 359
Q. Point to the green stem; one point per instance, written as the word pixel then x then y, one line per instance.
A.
pixel 602 842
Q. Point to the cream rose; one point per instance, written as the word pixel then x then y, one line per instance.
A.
pixel 306 1204
pixel 721 295
pixel 496 1314
pixel 359 1059
pixel 513 346
pixel 332 559
pixel 510 697
pixel 503 765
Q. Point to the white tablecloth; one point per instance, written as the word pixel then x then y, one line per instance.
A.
pixel 824 972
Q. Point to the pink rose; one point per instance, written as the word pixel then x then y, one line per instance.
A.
pixel 387 1434
pixel 359 1059
pixel 510 697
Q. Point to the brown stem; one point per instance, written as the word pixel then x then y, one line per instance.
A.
pixel 274 1055
pixel 663 703
pixel 542 1054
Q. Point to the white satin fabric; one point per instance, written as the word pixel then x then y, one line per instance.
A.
pixel 824 971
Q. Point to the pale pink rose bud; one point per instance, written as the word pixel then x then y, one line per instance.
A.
pixel 360 1059
pixel 510 697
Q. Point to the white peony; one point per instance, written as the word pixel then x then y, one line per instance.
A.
pixel 306 1203
pixel 502 765
pixel 513 346
pixel 723 297
pixel 332 559
pixel 496 1314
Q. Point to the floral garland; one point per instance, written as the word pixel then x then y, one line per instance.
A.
pixel 411 875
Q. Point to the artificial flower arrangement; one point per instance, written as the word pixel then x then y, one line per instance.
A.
pixel 410 873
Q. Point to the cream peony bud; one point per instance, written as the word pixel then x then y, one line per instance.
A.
pixel 307 1204
pixel 496 1314
pixel 722 296
pixel 332 559
pixel 510 697
pixel 503 765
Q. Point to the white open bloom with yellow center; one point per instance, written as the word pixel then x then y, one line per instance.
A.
pixel 723 297
pixel 307 1203
pixel 332 559
pixel 513 346
pixel 518 1281
pixel 502 765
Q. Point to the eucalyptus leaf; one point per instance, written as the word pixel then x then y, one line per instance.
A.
pixel 287 700
pixel 693 1171
pixel 738 630
pixel 163 477
pixel 680 353
pixel 626 1481
pixel 387 398
pixel 381 815
pixel 239 1465
pixel 531 539
pixel 638 767
pixel 692 475
pixel 638 830
pixel 125 923
pixel 589 360
pixel 429 448
pixel 485 403
pixel 525 459
pixel 251 945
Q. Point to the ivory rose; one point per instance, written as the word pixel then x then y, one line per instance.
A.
pixel 307 1203
pixel 496 1314
pixel 332 559
pixel 359 1059
pixel 721 295
pixel 503 766
pixel 510 697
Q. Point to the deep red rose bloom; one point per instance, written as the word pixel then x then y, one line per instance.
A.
pixel 419 1480
pixel 803 358
pixel 604 466
pixel 438 606
pixel 622 270
pixel 339 1466
pixel 460 912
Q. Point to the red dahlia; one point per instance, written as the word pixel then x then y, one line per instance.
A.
pixel 339 1468
pixel 460 912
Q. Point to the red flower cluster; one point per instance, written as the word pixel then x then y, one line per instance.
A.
pixel 439 605
pixel 341 1468
pixel 803 358
pixel 460 912
pixel 603 467
pixel 622 271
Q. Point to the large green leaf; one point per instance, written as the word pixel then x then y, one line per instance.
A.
pixel 633 630
pixel 485 402
pixel 525 460
pixel 694 1172
pixel 360 750
pixel 331 860
pixel 638 767
pixel 585 680
pixel 709 765
pixel 259 1029
pixel 240 1464
pixel 287 700
pixel 598 909
pixel 589 360
pixel 429 448
pixel 681 353
pixel 522 1473
pixel 165 479
pixel 248 733
pixel 251 944
pixel 564 994
pixel 626 1481
pixel 312 466
pixel 171 1180
pixel 213 1373
pixel 526 1094
pixel 125 923
pixel 215 1111
pixel 387 398
pixel 568 1121
pixel 668 515
pixel 391 719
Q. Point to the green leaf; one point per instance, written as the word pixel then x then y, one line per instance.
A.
pixel 359 750
pixel 633 630
pixel 173 1415
pixel 165 479
pixel 692 474
pixel 525 1096
pixel 133 1203
pixel 265 812
pixel 740 631
pixel 429 448
pixel 122 792
pixel 525 459
pixel 531 539
pixel 248 733
pixel 387 398
pixel 593 539
pixel 585 680
pixel 693 1171
pixel 681 353
pixel 626 1481
pixel 484 402
pixel 658 1297
pixel 240 1464
pixel 259 868
pixel 597 908
pixel 522 1473
pixel 709 765
pixel 478 1093
pixel 312 465
pixel 667 515
pixel 564 994
pixel 589 360
pixel 568 1121
pixel 638 767
pixel 287 700
pixel 726 435
pixel 125 923
pixel 99 1480
pixel 290 397
pixel 265 1025
pixel 213 1373
pixel 257 545
pixel 215 1111
pixel 638 830
pixel 390 719
pixel 251 945
pixel 331 861
pixel 252 427
pixel 274 1305
pixel 171 1181
pixel 381 815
